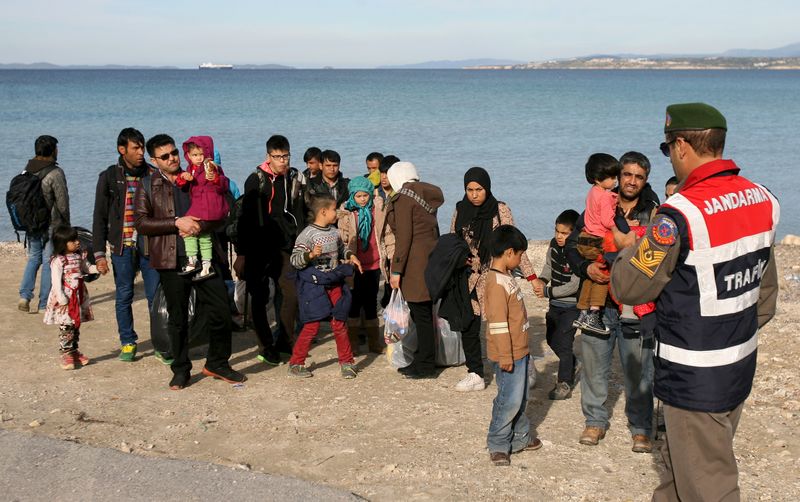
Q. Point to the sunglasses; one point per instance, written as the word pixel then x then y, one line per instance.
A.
pixel 166 156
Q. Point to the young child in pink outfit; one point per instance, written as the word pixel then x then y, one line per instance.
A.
pixel 602 171
pixel 207 187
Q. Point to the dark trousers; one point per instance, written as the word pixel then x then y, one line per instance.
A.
pixel 365 294
pixel 258 289
pixel 471 341
pixel 425 356
pixel 560 336
pixel 211 302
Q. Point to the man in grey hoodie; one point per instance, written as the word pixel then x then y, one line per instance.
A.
pixel 40 247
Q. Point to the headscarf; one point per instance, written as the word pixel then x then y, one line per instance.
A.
pixel 401 173
pixel 477 219
pixel 361 184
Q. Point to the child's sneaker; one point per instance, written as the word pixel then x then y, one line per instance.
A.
pixel 349 370
pixel 128 353
pixel 594 323
pixel 298 370
pixel 80 358
pixel 206 272
pixel 190 268
pixel 67 361
pixel 580 322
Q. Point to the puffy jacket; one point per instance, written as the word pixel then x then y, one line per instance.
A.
pixel 313 301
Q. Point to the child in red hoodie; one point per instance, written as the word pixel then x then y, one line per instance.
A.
pixel 207 186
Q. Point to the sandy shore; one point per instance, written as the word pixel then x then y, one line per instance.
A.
pixel 379 436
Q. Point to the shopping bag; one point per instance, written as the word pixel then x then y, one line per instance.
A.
pixel 449 350
pixel 401 353
pixel 396 317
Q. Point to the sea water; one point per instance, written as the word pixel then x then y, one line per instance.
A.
pixel 532 130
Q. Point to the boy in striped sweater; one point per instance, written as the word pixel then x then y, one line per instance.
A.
pixel 560 286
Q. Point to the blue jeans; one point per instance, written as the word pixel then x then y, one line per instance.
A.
pixel 125 267
pixel 636 356
pixel 509 430
pixel 40 248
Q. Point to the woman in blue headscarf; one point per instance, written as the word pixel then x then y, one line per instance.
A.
pixel 360 224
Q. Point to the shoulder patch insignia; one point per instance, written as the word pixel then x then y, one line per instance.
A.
pixel 648 257
pixel 665 231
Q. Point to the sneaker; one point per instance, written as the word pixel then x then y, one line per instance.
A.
pixel 349 371
pixel 580 322
pixel 205 273
pixel 561 391
pixel 269 357
pixel 180 381
pixel 128 353
pixel 299 370
pixel 641 444
pixel 471 382
pixel 67 361
pixel 34 309
pixel 594 323
pixel 24 305
pixel 190 268
pixel 592 435
pixel 226 374
pixel 165 358
pixel 80 358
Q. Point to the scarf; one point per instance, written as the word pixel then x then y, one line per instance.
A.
pixel 361 184
pixel 473 221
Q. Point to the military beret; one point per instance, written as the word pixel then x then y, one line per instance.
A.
pixel 693 117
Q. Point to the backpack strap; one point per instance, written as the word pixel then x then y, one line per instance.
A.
pixel 410 193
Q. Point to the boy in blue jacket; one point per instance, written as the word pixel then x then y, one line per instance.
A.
pixel 317 255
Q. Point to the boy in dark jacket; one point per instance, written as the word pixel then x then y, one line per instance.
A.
pixel 560 285
pixel 317 254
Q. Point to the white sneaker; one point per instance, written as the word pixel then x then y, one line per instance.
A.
pixel 471 382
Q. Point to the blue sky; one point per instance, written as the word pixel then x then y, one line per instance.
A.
pixel 364 33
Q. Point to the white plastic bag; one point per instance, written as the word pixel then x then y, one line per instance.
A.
pixel 449 349
pixel 396 318
pixel 401 353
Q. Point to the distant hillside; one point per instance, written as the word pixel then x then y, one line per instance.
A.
pixel 787 51
pixel 447 64
pixel 50 66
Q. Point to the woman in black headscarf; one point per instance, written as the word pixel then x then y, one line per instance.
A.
pixel 476 215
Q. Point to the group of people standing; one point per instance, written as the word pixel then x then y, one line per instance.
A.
pixel 691 280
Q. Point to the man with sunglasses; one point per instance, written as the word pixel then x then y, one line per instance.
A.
pixel 637 202
pixel 273 214
pixel 161 215
pixel 707 260
pixel 114 223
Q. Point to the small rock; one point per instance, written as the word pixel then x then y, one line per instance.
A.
pixel 388 468
pixel 293 416
pixel 55 411
pixel 35 423
pixel 243 467
pixel 125 447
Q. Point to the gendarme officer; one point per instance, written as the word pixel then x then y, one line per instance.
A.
pixel 707 261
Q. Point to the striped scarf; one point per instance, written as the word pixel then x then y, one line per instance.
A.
pixel 128 231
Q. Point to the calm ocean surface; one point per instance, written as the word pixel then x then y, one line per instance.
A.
pixel 532 130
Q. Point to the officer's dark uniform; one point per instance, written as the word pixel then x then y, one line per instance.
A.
pixel 707 261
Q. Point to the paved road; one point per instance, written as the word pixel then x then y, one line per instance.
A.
pixel 40 468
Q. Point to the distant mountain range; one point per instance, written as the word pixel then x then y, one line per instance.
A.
pixel 50 66
pixel 447 64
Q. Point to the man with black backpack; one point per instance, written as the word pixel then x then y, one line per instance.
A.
pixel 40 202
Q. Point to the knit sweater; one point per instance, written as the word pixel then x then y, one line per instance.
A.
pixel 507 319
pixel 333 248
pixel 561 284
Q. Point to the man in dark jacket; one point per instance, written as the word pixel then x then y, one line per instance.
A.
pixel 330 179
pixel 160 214
pixel 637 203
pixel 272 215
pixel 40 246
pixel 114 223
